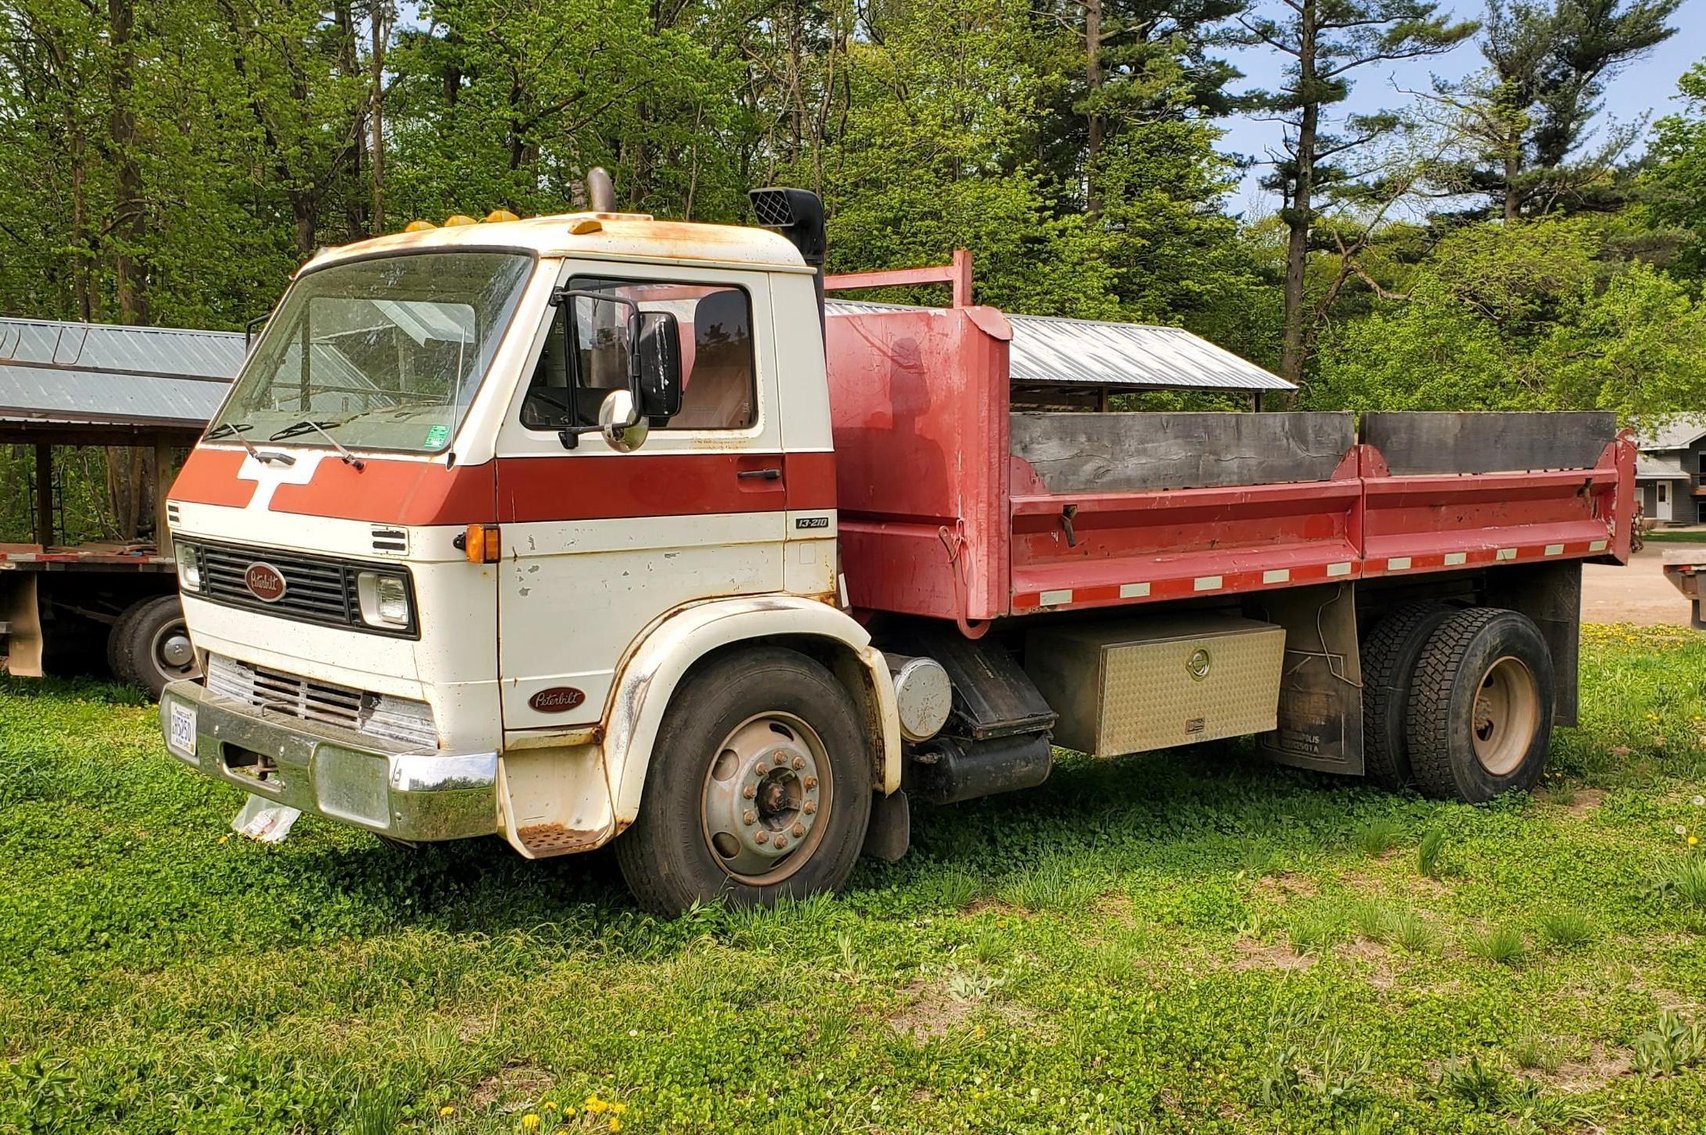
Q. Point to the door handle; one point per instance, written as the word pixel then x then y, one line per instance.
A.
pixel 760 474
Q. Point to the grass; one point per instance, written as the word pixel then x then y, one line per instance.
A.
pixel 1502 944
pixel 1161 944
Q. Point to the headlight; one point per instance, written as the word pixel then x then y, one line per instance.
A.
pixel 189 567
pixel 384 599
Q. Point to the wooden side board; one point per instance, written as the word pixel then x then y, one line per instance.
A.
pixel 1111 453
pixel 1419 443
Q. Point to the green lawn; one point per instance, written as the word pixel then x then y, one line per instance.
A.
pixel 1183 942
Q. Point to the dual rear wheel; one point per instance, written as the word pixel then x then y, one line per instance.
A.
pixel 1457 701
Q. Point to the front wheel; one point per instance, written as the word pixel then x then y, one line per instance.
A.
pixel 1479 714
pixel 759 787
pixel 152 645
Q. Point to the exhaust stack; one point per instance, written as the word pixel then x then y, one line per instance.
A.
pixel 600 190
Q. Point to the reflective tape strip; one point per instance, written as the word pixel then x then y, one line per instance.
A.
pixel 1055 598
pixel 1398 563
pixel 1452 558
pixel 1505 554
pixel 1554 549
pixel 1206 583
pixel 1133 590
pixel 1338 569
pixel 1597 546
pixel 1277 575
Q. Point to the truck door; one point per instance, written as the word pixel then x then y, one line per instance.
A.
pixel 598 544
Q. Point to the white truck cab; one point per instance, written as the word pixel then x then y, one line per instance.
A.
pixel 436 593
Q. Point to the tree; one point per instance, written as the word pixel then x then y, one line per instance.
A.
pixel 1325 41
pixel 1674 182
pixel 1527 118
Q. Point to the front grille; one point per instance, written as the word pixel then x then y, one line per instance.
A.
pixel 317 589
pixel 377 715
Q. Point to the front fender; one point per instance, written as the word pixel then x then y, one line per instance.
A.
pixel 649 677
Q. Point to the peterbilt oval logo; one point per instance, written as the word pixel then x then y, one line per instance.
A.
pixel 264 582
pixel 557 699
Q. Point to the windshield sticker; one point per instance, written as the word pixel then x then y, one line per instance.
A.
pixel 437 436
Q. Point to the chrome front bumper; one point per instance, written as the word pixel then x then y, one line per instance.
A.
pixel 334 773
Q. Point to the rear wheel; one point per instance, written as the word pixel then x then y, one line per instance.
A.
pixel 155 647
pixel 759 787
pixel 1479 718
pixel 1388 661
pixel 118 656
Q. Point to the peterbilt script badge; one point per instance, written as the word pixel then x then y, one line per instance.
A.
pixel 264 582
pixel 557 699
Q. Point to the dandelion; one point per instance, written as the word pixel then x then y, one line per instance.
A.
pixel 548 1105
pixel 1693 841
pixel 618 1109
pixel 530 1122
pixel 446 1112
pixel 615 1124
pixel 594 1105
pixel 1698 801
pixel 1680 829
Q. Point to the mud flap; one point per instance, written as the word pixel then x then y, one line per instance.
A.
pixel 1320 700
pixel 890 830
pixel 20 624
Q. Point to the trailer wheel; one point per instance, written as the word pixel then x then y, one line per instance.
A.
pixel 1479 718
pixel 118 655
pixel 759 788
pixel 1388 661
pixel 155 647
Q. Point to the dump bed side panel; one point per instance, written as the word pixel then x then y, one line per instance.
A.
pixel 1131 508
pixel 919 403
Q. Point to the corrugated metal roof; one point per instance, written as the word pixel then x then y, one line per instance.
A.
pixel 1054 351
pixel 102 374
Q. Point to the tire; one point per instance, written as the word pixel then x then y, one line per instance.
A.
pixel 118 657
pixel 151 649
pixel 761 720
pixel 1388 660
pixel 1479 718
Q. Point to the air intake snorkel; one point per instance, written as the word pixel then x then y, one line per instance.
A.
pixel 798 215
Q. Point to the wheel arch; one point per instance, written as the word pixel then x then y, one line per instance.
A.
pixel 692 636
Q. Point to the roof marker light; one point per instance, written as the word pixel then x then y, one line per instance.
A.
pixel 459 219
pixel 499 215
pixel 586 225
pixel 418 226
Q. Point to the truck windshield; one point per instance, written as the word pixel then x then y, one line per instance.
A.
pixel 378 354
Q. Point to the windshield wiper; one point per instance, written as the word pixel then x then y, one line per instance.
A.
pixel 235 429
pixel 306 424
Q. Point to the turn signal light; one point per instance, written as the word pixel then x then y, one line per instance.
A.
pixel 481 544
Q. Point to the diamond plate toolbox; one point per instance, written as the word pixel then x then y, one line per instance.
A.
pixel 1132 686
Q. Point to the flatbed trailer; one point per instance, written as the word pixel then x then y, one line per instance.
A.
pixel 856 564
pixel 74 608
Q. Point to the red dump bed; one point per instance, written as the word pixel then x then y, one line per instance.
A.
pixel 953 505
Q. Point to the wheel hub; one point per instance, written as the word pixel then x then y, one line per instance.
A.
pixel 765 795
pixel 176 650
pixel 1505 716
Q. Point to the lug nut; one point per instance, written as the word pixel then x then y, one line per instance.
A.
pixel 811 783
pixel 761 837
pixel 781 759
pixel 749 791
pixel 747 817
pixel 799 763
pixel 780 843
pixel 809 807
pixel 798 830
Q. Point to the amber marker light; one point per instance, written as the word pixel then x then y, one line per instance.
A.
pixel 481 544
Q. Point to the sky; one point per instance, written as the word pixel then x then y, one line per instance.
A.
pixel 1647 87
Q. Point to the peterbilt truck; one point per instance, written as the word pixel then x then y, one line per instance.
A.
pixel 597 528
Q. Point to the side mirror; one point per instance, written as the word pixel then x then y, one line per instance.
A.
pixel 620 422
pixel 659 349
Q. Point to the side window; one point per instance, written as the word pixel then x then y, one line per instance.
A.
pixel 586 354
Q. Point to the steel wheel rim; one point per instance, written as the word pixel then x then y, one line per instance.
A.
pixel 170 642
pixel 766 797
pixel 1506 715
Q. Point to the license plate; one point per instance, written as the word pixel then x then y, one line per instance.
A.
pixel 180 730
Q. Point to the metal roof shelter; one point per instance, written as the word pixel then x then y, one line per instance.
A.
pixel 100 384
pixel 1079 360
pixel 64 383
